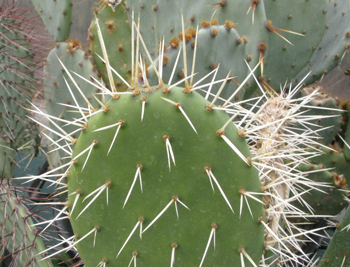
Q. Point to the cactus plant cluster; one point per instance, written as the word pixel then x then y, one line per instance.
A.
pixel 20 242
pixel 269 31
pixel 184 149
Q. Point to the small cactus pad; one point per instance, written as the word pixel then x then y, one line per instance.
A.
pixel 212 49
pixel 117 40
pixel 224 39
pixel 57 17
pixel 173 184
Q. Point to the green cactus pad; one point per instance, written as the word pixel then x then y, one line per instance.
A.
pixel 182 177
pixel 117 38
pixel 285 59
pixel 337 253
pixel 57 17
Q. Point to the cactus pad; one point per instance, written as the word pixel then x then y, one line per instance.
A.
pixel 337 253
pixel 182 161
pixel 57 17
pixel 271 31
pixel 117 39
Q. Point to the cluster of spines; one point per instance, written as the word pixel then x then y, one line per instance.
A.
pixel 279 150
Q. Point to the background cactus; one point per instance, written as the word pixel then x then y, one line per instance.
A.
pixel 17 80
pixel 337 253
pixel 334 43
pixel 57 17
pixel 20 241
pixel 263 38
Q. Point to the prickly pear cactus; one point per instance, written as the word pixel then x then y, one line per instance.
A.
pixel 174 191
pixel 160 174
